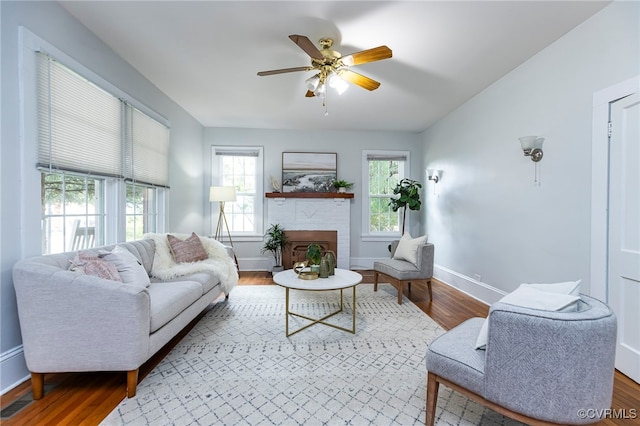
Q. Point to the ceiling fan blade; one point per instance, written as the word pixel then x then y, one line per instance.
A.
pixel 284 70
pixel 370 55
pixel 309 94
pixel 305 44
pixel 358 79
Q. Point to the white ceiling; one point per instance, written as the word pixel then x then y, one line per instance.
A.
pixel 205 54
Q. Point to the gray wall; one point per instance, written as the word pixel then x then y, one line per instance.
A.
pixel 348 146
pixel 487 217
pixel 19 217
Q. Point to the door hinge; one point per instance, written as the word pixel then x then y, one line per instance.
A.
pixel 609 129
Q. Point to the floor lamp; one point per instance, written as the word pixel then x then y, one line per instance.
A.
pixel 222 194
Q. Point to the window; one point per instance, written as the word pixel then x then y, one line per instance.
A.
pixel 93 146
pixel 141 212
pixel 240 167
pixel 72 212
pixel 382 170
pixel 146 172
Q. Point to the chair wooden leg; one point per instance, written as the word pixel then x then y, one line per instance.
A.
pixel 409 286
pixel 432 398
pixel 400 286
pixel 429 288
pixel 132 383
pixel 375 280
pixel 37 385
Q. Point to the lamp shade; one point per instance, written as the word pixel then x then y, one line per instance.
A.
pixel 222 193
pixel 528 142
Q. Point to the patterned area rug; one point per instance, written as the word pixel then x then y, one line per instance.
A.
pixel 236 367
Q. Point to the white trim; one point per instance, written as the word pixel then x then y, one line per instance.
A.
pixel 365 234
pixel 480 291
pixel 600 182
pixel 365 263
pixel 14 369
pixel 255 263
pixel 483 292
pixel 258 233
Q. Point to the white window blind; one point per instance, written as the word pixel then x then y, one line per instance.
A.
pixel 83 128
pixel 80 125
pixel 147 153
pixel 238 152
pixel 386 157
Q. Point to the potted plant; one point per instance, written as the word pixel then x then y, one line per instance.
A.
pixel 342 185
pixel 276 242
pixel 314 254
pixel 407 194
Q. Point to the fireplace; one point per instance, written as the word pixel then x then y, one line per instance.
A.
pixel 296 251
pixel 314 212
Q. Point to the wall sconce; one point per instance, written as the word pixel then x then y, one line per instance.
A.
pixel 434 175
pixel 532 147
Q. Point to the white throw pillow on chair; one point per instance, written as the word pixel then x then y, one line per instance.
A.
pixel 561 297
pixel 408 248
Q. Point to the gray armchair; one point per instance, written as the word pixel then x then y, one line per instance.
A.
pixel 539 367
pixel 404 272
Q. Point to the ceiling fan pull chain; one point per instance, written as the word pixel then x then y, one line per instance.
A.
pixel 324 104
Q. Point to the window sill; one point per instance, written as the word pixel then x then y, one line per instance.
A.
pixel 241 238
pixel 373 238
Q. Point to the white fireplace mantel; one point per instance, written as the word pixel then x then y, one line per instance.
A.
pixel 325 214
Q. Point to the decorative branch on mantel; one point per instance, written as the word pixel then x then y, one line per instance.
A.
pixel 308 195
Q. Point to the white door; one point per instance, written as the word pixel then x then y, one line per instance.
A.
pixel 624 231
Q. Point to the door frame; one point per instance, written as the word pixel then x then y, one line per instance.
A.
pixel 600 183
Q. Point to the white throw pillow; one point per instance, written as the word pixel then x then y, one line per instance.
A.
pixel 569 287
pixel 408 248
pixel 562 297
pixel 130 269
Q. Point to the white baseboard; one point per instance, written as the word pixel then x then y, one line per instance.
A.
pixel 13 369
pixel 362 262
pixel 255 264
pixel 474 288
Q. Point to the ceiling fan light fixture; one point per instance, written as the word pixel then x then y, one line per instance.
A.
pixel 333 68
pixel 320 90
pixel 313 82
pixel 347 60
pixel 336 82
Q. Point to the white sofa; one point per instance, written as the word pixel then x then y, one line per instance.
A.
pixel 73 322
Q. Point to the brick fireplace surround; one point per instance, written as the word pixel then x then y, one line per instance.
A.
pixel 313 212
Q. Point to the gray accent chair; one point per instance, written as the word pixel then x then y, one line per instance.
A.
pixel 403 272
pixel 539 367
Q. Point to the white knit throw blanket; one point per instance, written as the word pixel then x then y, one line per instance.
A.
pixel 165 267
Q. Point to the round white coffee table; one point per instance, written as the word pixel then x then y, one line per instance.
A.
pixel 342 279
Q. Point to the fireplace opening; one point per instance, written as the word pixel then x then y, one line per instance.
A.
pixel 296 251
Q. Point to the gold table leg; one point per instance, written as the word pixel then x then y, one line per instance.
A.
pixel 320 320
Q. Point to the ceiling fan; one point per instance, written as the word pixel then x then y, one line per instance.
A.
pixel 333 68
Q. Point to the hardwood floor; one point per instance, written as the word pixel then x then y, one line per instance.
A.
pixel 87 398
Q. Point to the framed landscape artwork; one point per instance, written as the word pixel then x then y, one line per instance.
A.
pixel 308 171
